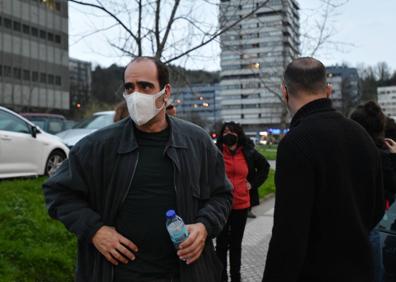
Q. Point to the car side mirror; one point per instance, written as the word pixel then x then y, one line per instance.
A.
pixel 34 131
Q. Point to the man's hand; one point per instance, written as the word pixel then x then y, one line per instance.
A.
pixel 191 249
pixel 113 246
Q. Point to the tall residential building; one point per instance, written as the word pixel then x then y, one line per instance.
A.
pixel 345 83
pixel 198 103
pixel 387 100
pixel 254 55
pixel 34 55
pixel 80 83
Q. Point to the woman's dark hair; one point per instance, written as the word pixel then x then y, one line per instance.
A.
pixel 243 140
pixel 371 117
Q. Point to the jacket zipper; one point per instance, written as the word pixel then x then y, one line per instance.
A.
pixel 123 200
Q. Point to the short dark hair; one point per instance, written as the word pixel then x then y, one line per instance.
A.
pixel 305 74
pixel 162 69
pixel 170 106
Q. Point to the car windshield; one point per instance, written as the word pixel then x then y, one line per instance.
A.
pixel 95 122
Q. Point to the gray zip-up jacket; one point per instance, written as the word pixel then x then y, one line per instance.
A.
pixel 88 189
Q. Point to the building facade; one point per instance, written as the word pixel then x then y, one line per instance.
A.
pixel 387 100
pixel 346 91
pixel 80 83
pixel 254 55
pixel 199 103
pixel 34 57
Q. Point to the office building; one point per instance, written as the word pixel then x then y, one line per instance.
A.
pixel 198 103
pixel 34 58
pixel 387 100
pixel 254 55
pixel 345 83
pixel 80 83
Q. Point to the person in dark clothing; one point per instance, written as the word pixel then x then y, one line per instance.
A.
pixel 115 188
pixel 390 128
pixel 247 169
pixel 371 117
pixel 329 190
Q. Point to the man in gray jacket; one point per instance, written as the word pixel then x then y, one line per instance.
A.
pixel 115 188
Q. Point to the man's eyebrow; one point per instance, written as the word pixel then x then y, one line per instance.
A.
pixel 145 83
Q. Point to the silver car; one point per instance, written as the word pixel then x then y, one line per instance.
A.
pixel 98 120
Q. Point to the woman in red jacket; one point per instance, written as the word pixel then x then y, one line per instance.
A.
pixel 246 169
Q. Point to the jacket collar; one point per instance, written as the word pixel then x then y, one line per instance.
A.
pixel 128 141
pixel 315 106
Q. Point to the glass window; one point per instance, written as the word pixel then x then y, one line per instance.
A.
pixel 57 38
pixel 50 36
pixel 26 29
pixel 34 31
pixel 9 122
pixel 43 77
pixel 55 126
pixel 57 6
pixel 43 34
pixel 58 80
pixel 7 23
pixel 26 75
pixel 1 70
pixel 17 26
pixel 34 76
pixel 7 71
pixel 17 73
pixel 51 79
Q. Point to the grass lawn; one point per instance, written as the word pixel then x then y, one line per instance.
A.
pixel 33 247
pixel 269 152
pixel 269 186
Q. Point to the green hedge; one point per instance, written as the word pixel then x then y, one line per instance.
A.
pixel 268 151
pixel 269 186
pixel 33 247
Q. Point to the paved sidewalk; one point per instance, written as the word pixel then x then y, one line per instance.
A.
pixel 255 241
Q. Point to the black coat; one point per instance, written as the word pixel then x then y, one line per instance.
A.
pixel 329 195
pixel 258 168
pixel 90 187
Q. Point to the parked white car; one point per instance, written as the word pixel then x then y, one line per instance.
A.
pixel 98 120
pixel 25 149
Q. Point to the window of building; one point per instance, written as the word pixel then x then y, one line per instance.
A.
pixel 242 116
pixel 43 77
pixel 7 23
pixel 34 76
pixel 26 29
pixel 58 80
pixel 17 26
pixel 51 79
pixel 26 75
pixel 34 31
pixel 1 70
pixel 43 34
pixel 50 36
pixel 17 73
pixel 57 6
pixel 7 71
pixel 1 21
pixel 57 38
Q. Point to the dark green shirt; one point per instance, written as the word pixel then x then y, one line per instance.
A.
pixel 142 215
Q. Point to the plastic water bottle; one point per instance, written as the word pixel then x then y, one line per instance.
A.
pixel 176 228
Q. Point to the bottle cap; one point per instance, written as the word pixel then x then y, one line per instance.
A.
pixel 170 214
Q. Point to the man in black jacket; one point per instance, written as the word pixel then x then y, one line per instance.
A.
pixel 115 188
pixel 328 188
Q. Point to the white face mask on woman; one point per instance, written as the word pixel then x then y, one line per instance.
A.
pixel 141 107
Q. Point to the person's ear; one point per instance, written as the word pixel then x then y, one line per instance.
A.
pixel 167 95
pixel 328 90
pixel 285 95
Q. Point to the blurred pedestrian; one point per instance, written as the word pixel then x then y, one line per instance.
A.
pixel 247 169
pixel 371 117
pixel 171 110
pixel 390 128
pixel 117 184
pixel 121 111
pixel 329 190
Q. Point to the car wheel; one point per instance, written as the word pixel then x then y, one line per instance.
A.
pixel 54 161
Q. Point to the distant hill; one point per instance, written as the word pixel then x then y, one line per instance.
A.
pixel 107 82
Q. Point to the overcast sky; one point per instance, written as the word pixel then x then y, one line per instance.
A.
pixel 366 27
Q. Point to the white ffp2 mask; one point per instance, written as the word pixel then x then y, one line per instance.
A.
pixel 141 107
